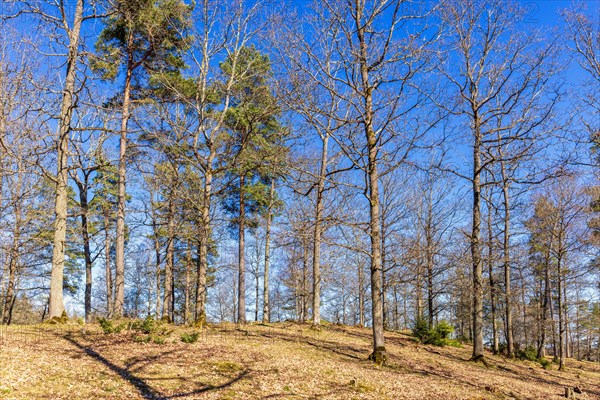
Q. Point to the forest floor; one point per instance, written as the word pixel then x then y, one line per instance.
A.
pixel 276 361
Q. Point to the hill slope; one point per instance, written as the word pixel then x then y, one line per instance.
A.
pixel 279 361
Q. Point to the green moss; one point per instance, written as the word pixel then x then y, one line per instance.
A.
pixel 63 319
pixel 379 356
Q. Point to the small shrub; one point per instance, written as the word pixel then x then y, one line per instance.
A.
pixel 528 353
pixel 443 330
pixel 420 329
pixel 159 339
pixel 545 363
pixel 190 337
pixel 108 327
pixel 439 335
pixel 147 326
pixel 142 338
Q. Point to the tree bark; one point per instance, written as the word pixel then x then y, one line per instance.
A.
pixel 200 308
pixel 490 260
pixel 241 256
pixel 85 234
pixel 56 307
pixel 121 196
pixel 476 248
pixel 318 229
pixel 510 349
pixel 168 306
pixel 107 267
pixel 379 352
pixel 266 311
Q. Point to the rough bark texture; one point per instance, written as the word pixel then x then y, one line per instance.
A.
pixel 107 267
pixel 121 196
pixel 316 267
pixel 476 249
pixel 85 235
pixel 56 306
pixel 379 354
pixel 202 265
pixel 510 347
pixel 168 304
pixel 266 310
pixel 241 317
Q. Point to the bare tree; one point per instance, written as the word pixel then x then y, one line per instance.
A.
pixel 498 77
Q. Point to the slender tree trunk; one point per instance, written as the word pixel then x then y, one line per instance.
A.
pixel 241 256
pixel 107 267
pixel 419 287
pixel 379 352
pixel 361 295
pixel 57 307
pixel 85 233
pixel 429 264
pixel 561 320
pixel 121 197
pixel 304 288
pixel 476 248
pixel 9 298
pixel 158 273
pixel 200 308
pixel 168 306
pixel 491 277
pixel 545 305
pixel 384 286
pixel 188 268
pixel 317 233
pixel 266 310
pixel 510 349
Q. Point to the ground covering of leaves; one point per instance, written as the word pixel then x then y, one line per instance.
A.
pixel 276 361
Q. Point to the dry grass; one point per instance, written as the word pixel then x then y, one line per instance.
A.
pixel 279 361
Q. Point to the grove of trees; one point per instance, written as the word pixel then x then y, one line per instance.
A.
pixel 382 163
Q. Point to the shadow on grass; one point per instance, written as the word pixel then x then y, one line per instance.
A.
pixel 145 390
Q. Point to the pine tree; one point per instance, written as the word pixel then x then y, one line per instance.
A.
pixel 144 38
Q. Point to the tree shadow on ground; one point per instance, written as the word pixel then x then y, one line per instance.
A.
pixel 144 389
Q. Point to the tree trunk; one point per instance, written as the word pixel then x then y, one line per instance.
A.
pixel 188 268
pixel 158 273
pixel 9 298
pixel 304 288
pixel 241 256
pixel 200 308
pixel 361 295
pixel 379 352
pixel 57 307
pixel 168 306
pixel 476 249
pixel 491 277
pixel 266 311
pixel 506 261
pixel 545 305
pixel 429 262
pixel 85 234
pixel 107 267
pixel 121 197
pixel 317 233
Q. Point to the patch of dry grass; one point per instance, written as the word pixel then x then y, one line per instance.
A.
pixel 277 361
